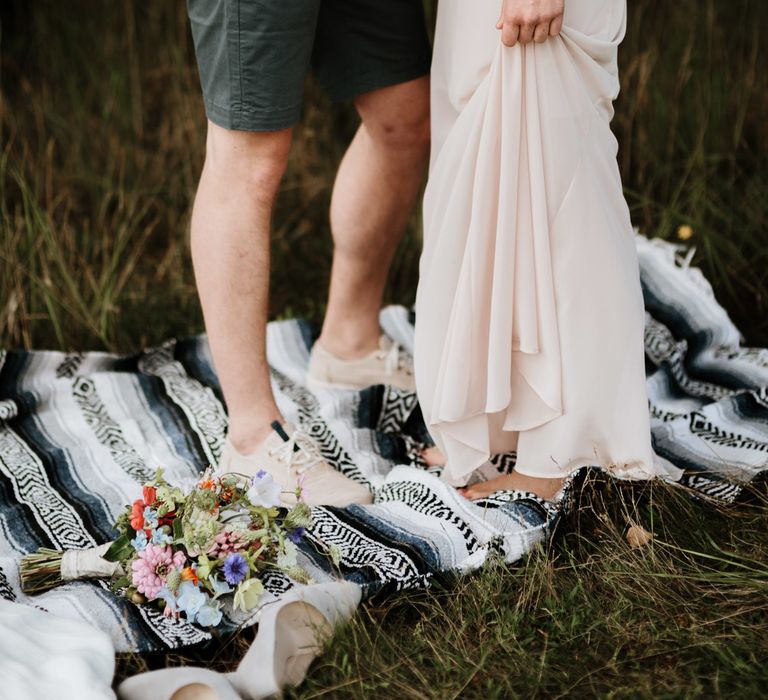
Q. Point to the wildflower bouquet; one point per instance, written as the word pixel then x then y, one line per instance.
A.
pixel 189 549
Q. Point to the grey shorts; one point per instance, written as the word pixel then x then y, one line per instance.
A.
pixel 254 55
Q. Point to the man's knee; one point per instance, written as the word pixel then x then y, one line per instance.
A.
pixel 408 131
pixel 254 160
pixel 398 117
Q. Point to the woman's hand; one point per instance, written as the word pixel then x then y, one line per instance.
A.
pixel 529 20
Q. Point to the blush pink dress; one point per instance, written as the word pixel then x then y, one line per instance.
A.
pixel 529 310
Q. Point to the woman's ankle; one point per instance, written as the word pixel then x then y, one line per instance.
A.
pixel 543 487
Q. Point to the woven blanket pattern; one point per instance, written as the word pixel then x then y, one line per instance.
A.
pixel 80 433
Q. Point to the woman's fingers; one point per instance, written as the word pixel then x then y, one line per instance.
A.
pixel 510 34
pixel 541 33
pixel 523 21
pixel 556 25
pixel 526 33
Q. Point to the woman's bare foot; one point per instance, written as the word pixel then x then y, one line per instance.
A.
pixel 543 488
pixel 433 456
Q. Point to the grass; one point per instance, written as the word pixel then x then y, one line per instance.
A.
pixel 102 138
pixel 585 616
pixel 101 144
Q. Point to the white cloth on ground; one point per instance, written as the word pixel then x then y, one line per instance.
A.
pixel 47 656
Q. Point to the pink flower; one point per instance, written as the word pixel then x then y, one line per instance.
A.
pixel 227 542
pixel 152 567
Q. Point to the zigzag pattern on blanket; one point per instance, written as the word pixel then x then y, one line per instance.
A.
pixel 707 394
pixel 80 431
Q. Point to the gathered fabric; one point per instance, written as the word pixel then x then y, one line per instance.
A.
pixel 529 310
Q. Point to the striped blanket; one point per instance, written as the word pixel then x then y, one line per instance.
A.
pixel 80 432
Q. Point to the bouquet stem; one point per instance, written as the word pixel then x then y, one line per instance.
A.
pixel 48 568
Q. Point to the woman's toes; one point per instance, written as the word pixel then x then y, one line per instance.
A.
pixel 470 494
pixel 433 456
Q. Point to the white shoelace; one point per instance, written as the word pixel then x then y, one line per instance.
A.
pixel 299 451
pixel 396 358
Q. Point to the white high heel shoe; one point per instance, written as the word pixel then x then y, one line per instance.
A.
pixel 292 632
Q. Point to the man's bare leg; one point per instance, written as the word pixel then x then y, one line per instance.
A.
pixel 230 254
pixel 373 197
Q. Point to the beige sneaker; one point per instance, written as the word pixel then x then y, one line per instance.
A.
pixel 292 457
pixel 390 364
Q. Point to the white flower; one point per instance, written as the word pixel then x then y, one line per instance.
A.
pixel 264 491
pixel 209 615
pixel 190 599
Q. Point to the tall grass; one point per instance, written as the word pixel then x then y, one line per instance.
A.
pixel 692 121
pixel 102 140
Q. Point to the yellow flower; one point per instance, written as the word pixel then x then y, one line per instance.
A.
pixel 684 232
pixel 203 567
pixel 248 594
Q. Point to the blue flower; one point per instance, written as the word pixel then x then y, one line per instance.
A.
pixel 161 538
pixel 235 568
pixel 219 587
pixel 150 518
pixel 140 541
pixel 190 599
pixel 209 615
pixel 296 535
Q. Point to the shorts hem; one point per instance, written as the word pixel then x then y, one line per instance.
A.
pixel 341 90
pixel 252 120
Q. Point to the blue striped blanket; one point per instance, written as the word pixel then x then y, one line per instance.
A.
pixel 80 433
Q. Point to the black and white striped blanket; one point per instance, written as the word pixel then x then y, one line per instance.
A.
pixel 79 433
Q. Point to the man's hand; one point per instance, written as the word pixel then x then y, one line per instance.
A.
pixel 529 20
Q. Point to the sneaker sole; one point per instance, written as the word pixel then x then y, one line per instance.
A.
pixel 313 383
pixel 316 384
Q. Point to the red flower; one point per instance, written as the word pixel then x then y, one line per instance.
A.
pixel 137 514
pixel 150 495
